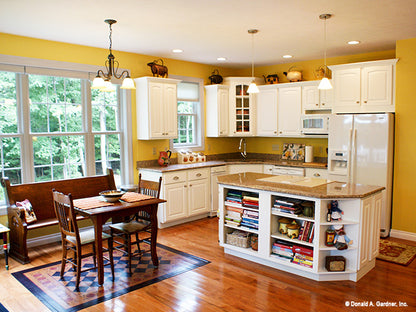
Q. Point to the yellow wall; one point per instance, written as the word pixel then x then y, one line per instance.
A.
pixel 405 169
pixel 404 195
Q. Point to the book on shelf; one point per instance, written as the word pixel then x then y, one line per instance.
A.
pixel 232 208
pixel 294 213
pixel 251 198
pixel 235 193
pixel 229 218
pixel 304 263
pixel 283 243
pixel 249 225
pixel 278 246
pixel 303 250
pixel 279 252
pixel 233 214
pixel 231 222
pixel 281 257
pixel 312 234
pixel 303 257
pixel 233 200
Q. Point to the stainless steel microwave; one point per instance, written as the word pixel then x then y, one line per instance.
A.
pixel 315 124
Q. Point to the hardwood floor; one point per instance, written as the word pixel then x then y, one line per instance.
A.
pixel 229 283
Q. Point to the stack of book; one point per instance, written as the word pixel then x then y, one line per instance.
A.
pixel 233 216
pixel 283 250
pixel 307 231
pixel 234 197
pixel 292 205
pixel 250 201
pixel 302 256
pixel 250 219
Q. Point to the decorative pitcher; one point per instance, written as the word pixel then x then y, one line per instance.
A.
pixel 164 158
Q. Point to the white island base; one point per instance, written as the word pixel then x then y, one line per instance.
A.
pixel 361 208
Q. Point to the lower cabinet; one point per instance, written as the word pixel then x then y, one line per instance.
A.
pixel 240 168
pixel 271 231
pixel 187 195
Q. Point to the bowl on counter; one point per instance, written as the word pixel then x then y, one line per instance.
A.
pixel 111 196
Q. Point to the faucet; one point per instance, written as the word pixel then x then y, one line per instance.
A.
pixel 243 148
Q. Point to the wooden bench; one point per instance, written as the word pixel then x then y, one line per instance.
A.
pixel 40 196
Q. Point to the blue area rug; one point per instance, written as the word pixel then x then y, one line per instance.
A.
pixel 3 309
pixel 60 295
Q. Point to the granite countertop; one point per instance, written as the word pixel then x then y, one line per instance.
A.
pixel 330 190
pixel 214 163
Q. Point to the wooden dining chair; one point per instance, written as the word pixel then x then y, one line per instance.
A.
pixel 139 223
pixel 74 240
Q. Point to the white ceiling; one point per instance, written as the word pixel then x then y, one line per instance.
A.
pixel 206 30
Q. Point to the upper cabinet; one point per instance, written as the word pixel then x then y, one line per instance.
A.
pixel 156 106
pixel 315 99
pixel 289 111
pixel 267 107
pixel 242 106
pixel 217 110
pixel 366 87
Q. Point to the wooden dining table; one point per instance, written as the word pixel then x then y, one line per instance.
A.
pixel 100 215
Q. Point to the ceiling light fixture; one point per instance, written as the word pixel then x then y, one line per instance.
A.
pixel 252 88
pixel 353 42
pixel 221 59
pixel 102 81
pixel 287 56
pixel 177 50
pixel 325 84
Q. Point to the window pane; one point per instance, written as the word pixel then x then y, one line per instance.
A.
pixel 8 108
pixel 10 159
pixel 55 104
pixel 104 111
pixel 107 153
pixel 185 107
pixel 58 157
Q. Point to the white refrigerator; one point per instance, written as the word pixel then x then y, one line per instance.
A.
pixel 360 150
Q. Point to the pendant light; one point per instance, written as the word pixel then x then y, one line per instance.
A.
pixel 102 81
pixel 325 84
pixel 252 88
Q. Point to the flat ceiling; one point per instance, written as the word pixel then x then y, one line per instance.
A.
pixel 205 30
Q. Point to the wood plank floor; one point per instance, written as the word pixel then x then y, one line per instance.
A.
pixel 229 283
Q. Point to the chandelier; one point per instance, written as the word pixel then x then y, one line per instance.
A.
pixel 102 81
pixel 252 88
pixel 325 84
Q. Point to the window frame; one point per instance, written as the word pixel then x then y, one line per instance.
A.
pixel 24 66
pixel 199 119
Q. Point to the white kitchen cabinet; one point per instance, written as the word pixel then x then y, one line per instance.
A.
pixel 156 106
pixel 187 194
pixel 366 87
pixel 267 106
pixel 242 106
pixel 315 99
pixel 289 111
pixel 217 110
pixel 316 173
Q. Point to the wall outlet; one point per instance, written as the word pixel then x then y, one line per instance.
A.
pixel 275 147
pixel 154 150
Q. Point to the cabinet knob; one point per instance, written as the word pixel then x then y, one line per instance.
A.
pixel 198 174
pixel 358 102
pixel 190 185
pixel 316 104
pixel 185 186
pixel 323 104
pixel 275 132
pixel 316 175
pixel 176 178
pixel 365 101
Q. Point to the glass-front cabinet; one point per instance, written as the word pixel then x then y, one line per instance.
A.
pixel 242 106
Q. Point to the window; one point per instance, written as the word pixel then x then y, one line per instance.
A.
pixel 190 115
pixel 55 127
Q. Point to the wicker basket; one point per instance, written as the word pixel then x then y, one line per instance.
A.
pixel 238 238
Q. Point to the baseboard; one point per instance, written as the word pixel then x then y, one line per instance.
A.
pixel 403 235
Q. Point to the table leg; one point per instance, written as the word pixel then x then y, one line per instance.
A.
pixel 153 238
pixel 98 228
pixel 6 254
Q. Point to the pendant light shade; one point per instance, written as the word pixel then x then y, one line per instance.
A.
pixel 325 84
pixel 102 81
pixel 252 88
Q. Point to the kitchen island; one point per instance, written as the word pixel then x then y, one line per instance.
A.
pixel 266 206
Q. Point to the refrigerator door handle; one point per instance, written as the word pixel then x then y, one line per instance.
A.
pixel 353 157
pixel 349 156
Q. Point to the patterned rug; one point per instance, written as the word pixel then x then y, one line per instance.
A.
pixel 60 295
pixel 396 252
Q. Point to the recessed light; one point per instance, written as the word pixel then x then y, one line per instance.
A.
pixel 177 50
pixel 287 56
pixel 221 58
pixel 353 42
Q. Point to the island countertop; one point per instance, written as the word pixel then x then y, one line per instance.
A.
pixel 330 190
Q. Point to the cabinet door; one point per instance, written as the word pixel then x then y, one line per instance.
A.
pixel 241 109
pixel 267 112
pixel 376 219
pixel 377 85
pixel 310 97
pixel 223 112
pixel 157 129
pixel 170 111
pixel 326 98
pixel 366 231
pixel 199 197
pixel 289 111
pixel 176 195
pixel 347 89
